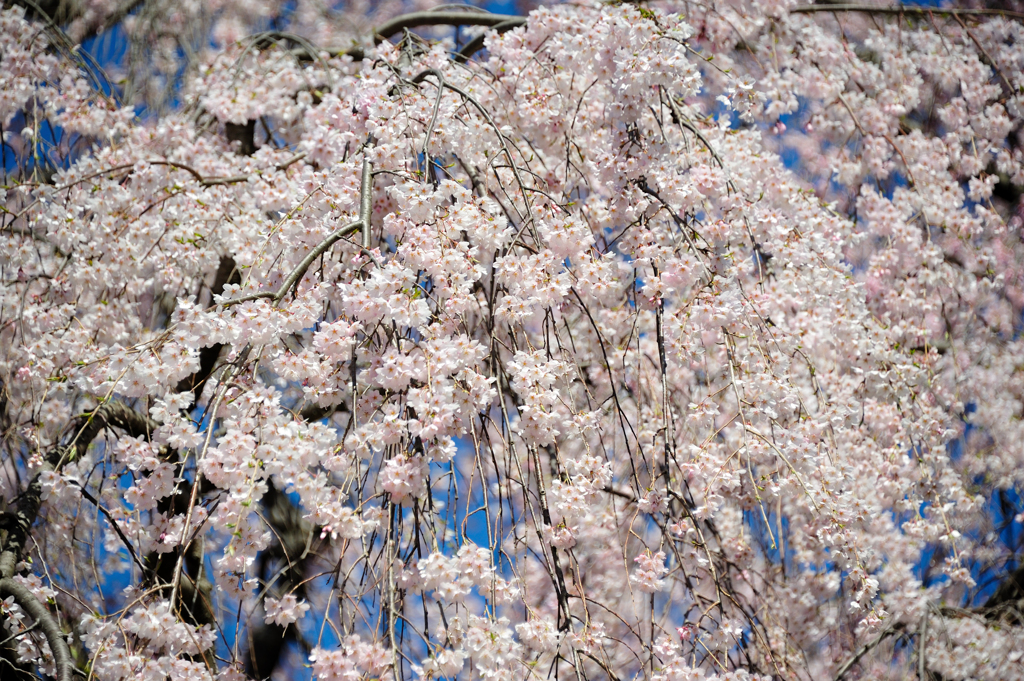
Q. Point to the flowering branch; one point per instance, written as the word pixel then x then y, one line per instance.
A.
pixel 110 413
pixel 300 270
pixel 606 329
pixel 362 224
pixel 44 620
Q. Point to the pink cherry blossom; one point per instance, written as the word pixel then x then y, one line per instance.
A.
pixel 660 340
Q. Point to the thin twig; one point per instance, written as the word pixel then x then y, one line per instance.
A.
pixel 987 56
pixel 113 523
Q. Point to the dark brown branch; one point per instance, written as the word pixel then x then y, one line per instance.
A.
pixel 448 18
pixel 227 273
pixel 1008 597
pixel 292 537
pixel 622 494
pixel 477 43
pixel 314 412
pixel 233 179
pixel 500 22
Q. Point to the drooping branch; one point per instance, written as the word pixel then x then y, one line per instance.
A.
pixel 293 536
pixel 442 83
pixel 300 269
pixel 45 621
pixel 912 10
pixel 362 224
pixel 20 525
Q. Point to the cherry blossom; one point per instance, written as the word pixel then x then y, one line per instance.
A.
pixel 613 340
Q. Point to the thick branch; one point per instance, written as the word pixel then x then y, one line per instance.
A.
pixel 1008 597
pixel 45 621
pixel 292 538
pixel 227 273
pixel 477 43
pixel 500 22
pixel 116 414
pixel 300 269
pixel 363 223
pixel 449 18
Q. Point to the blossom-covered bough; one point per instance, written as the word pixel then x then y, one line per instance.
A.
pixel 350 345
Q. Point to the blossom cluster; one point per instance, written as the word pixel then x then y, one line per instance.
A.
pixel 547 358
